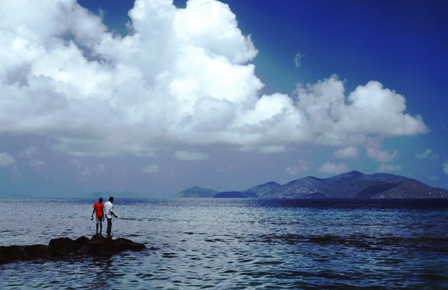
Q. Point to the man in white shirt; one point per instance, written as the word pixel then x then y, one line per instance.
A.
pixel 109 213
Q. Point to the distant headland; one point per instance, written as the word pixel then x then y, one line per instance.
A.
pixel 351 185
pixel 107 194
pixel 93 195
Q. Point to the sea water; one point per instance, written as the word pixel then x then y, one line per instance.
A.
pixel 237 244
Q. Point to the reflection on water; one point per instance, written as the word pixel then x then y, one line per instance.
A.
pixel 237 244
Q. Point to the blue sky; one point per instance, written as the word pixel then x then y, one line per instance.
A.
pixel 155 97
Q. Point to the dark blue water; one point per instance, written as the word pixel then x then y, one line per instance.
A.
pixel 237 244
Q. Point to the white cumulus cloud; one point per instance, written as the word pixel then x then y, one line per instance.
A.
pixel 332 168
pixel 272 149
pixel 301 167
pixel 191 156
pixel 333 119
pixel 347 152
pixel 374 151
pixel 428 154
pixel 181 76
pixel 151 168
pixel 298 59
pixel 37 163
pixel 6 159
pixel 388 168
pixel 28 152
pixel 82 169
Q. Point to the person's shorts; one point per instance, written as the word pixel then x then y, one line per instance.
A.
pixel 99 219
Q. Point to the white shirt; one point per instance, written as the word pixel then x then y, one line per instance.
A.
pixel 107 208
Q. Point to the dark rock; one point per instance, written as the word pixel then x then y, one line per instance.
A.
pixel 129 245
pixel 67 250
pixel 23 253
pixel 79 242
pixel 60 248
pixel 104 246
pixel 16 252
pixel 37 251
pixel 4 259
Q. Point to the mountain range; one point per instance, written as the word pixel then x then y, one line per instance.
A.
pixel 350 185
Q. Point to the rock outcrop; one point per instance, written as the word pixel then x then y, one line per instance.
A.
pixel 60 248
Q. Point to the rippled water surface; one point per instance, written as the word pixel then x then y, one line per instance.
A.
pixel 237 244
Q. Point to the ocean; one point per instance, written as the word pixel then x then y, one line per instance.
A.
pixel 237 244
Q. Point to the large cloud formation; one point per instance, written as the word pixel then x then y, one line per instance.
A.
pixel 181 76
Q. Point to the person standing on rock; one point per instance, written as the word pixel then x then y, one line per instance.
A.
pixel 98 208
pixel 109 213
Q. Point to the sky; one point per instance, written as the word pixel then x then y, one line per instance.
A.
pixel 156 96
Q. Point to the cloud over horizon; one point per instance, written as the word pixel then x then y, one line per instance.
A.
pixel 332 168
pixel 181 76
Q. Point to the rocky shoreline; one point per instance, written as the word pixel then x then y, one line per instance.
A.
pixel 61 248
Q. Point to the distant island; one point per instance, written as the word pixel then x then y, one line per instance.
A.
pixel 350 185
pixel 106 194
pixel 93 195
pixel 197 192
pixel 16 196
